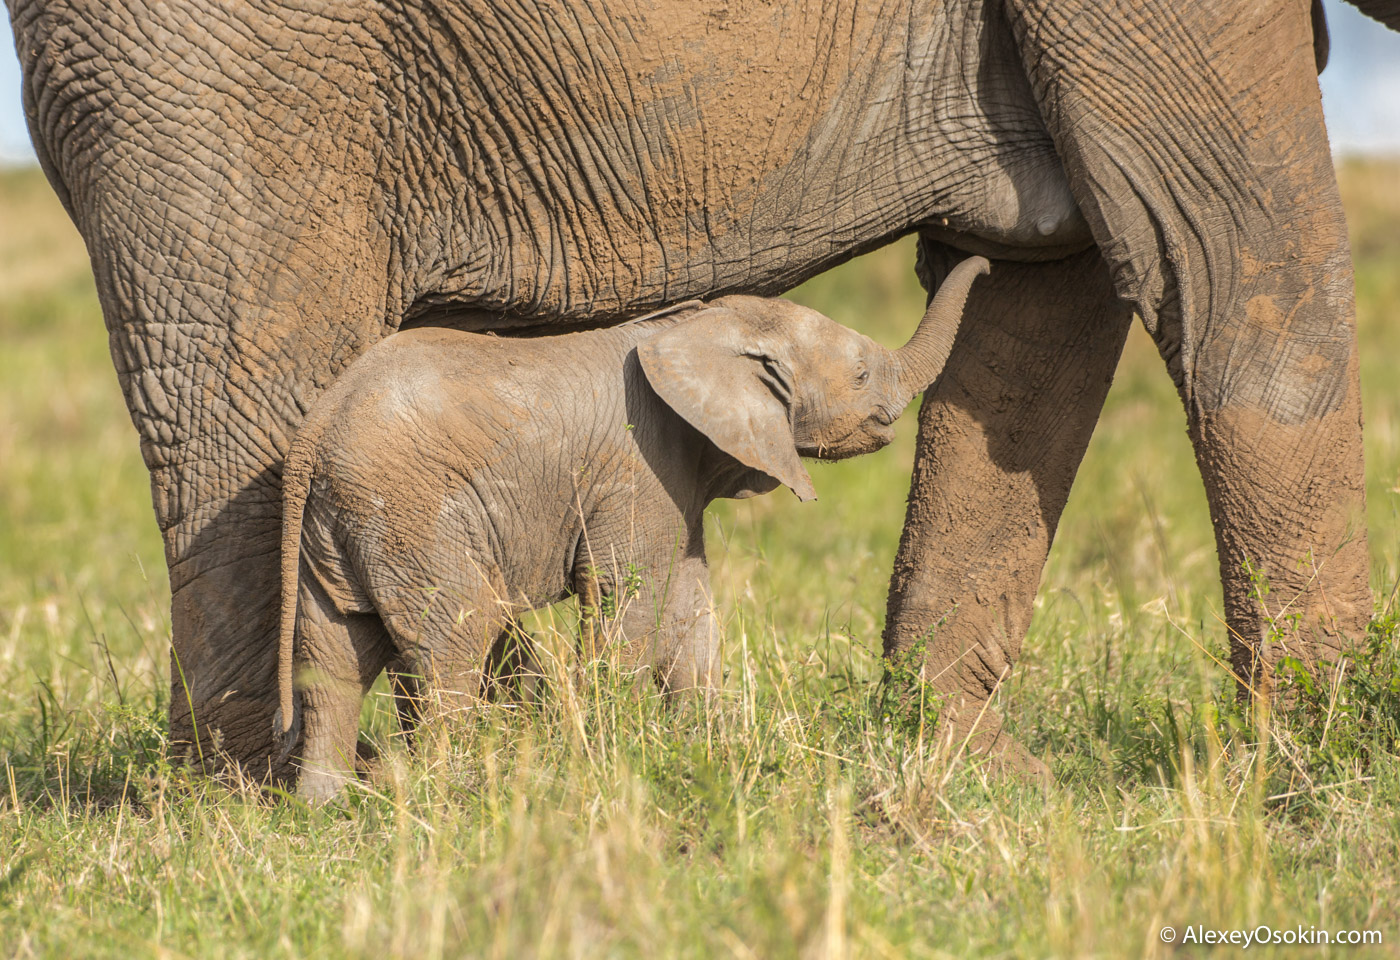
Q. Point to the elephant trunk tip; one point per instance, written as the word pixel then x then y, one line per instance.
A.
pixel 922 359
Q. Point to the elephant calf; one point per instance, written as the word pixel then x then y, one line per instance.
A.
pixel 450 479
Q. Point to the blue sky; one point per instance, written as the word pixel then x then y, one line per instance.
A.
pixel 1360 89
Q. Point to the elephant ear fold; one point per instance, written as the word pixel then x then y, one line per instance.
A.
pixel 725 379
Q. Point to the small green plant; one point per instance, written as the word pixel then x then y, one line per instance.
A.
pixel 903 699
pixel 609 604
pixel 1346 714
pixel 898 702
pixel 1321 725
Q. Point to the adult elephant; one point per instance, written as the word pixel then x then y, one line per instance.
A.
pixel 267 187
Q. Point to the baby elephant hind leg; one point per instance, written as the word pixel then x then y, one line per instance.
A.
pixel 443 639
pixel 338 657
pixel 512 674
pixel 408 699
pixel 513 670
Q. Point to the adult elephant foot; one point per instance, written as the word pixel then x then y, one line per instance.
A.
pixel 1001 436
pixel 995 752
pixel 1008 759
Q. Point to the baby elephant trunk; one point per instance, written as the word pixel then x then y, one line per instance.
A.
pixel 921 360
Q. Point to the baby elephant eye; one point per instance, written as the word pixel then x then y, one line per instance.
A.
pixel 862 378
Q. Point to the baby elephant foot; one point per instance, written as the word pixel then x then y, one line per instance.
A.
pixel 330 750
pixel 319 787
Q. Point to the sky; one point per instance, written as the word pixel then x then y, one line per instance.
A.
pixel 1360 88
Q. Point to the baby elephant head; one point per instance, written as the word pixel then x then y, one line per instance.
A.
pixel 769 381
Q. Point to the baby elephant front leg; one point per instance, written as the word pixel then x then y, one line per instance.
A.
pixel 688 652
pixel 664 620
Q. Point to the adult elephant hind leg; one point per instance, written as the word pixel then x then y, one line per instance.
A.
pixel 223 618
pixel 1001 435
pixel 1273 400
pixel 238 268
pixel 217 496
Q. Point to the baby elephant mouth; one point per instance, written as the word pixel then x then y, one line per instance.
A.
pixel 867 437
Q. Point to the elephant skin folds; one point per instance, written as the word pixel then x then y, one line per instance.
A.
pixel 268 190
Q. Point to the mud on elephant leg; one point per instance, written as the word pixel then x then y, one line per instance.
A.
pixel 1275 415
pixel 1001 436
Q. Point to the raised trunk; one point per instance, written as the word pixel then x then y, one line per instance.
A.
pixel 921 360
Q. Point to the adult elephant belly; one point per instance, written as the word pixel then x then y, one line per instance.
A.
pixel 653 155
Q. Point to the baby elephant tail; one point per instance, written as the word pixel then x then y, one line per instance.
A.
pixel 296 487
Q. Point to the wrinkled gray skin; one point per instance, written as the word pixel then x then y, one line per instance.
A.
pixel 267 189
pixel 449 480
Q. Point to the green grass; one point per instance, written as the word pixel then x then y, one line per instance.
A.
pixel 795 820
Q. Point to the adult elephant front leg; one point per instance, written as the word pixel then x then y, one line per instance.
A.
pixel 1001 435
pixel 1206 179
pixel 1274 408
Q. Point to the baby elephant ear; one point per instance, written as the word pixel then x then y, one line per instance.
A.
pixel 717 374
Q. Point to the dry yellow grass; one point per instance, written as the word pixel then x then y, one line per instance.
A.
pixel 805 817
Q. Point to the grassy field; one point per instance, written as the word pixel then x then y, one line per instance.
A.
pixel 798 819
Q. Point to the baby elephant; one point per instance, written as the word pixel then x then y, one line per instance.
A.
pixel 449 480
